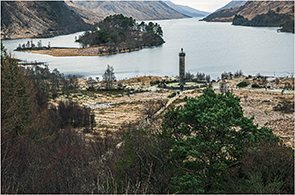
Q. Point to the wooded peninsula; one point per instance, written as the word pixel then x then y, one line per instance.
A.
pixel 114 34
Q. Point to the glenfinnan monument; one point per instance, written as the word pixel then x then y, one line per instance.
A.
pixel 182 68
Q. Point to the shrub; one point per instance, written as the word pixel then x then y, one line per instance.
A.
pixel 154 82
pixel 285 107
pixel 242 84
pixel 268 168
pixel 144 167
pixel 255 86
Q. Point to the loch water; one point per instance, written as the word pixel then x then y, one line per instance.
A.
pixel 211 48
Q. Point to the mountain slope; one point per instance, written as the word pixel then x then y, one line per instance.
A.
pixel 252 9
pixel 186 10
pixel 140 10
pixel 88 16
pixel 232 4
pixel 38 18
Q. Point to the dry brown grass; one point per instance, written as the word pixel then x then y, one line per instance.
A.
pixel 59 52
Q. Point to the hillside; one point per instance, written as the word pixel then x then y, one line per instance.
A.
pixel 88 16
pixel 186 10
pixel 21 19
pixel 270 19
pixel 232 4
pixel 140 10
pixel 251 9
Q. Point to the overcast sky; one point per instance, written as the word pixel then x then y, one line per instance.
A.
pixel 203 5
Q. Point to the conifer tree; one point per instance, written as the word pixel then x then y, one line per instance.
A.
pixel 208 136
pixel 15 103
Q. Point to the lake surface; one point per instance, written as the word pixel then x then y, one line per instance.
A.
pixel 210 48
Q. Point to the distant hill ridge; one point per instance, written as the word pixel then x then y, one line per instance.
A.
pixel 24 19
pixel 140 10
pixel 186 10
pixel 232 4
pixel 251 9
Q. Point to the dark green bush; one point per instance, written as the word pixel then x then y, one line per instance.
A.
pixel 242 84
pixel 285 107
pixel 154 82
pixel 255 86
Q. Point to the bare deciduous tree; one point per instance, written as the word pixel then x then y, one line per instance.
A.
pixel 109 77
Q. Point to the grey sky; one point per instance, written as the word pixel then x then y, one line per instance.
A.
pixel 203 5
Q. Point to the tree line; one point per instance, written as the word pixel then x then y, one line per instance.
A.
pixel 38 140
pixel 31 45
pixel 230 75
pixel 52 83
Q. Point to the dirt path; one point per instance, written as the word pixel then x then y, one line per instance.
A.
pixel 167 105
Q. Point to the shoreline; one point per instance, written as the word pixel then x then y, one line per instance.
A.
pixel 65 52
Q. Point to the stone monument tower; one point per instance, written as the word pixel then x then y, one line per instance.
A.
pixel 181 68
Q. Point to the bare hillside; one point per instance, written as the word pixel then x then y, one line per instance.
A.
pixel 140 10
pixel 38 18
pixel 252 9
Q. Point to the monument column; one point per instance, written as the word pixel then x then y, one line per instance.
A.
pixel 181 67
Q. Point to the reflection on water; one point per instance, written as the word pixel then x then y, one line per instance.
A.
pixel 211 48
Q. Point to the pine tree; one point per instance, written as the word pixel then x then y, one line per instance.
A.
pixel 208 136
pixel 15 104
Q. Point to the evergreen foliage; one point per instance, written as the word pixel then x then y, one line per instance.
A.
pixel 206 146
pixel 208 136
pixel 242 84
pixel 117 32
pixel 255 86
pixel 16 111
